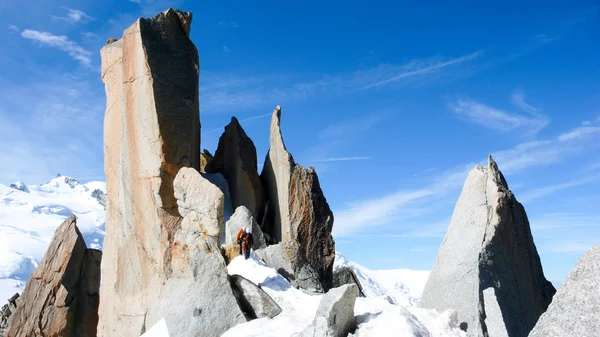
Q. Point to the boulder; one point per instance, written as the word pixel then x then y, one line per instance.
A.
pixel 235 158
pixel 205 158
pixel 6 311
pixel 61 296
pixel 575 307
pixel 487 267
pixel 345 275
pixel 243 218
pixel 197 296
pixel 254 302
pixel 298 215
pixel 218 180
pixel 335 316
pixel 304 276
pixel 151 131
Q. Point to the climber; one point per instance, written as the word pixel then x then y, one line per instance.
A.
pixel 248 242
pixel 238 238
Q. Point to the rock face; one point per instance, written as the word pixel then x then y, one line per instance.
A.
pixel 197 299
pixel 151 131
pixel 61 297
pixel 487 267
pixel 345 275
pixel 6 311
pixel 254 302
pixel 335 316
pixel 205 158
pixel 298 215
pixel 575 307
pixel 236 160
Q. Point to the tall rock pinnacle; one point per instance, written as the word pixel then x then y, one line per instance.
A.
pixel 487 267
pixel 298 215
pixel 151 130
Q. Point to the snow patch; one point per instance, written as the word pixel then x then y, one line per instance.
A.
pixel 157 330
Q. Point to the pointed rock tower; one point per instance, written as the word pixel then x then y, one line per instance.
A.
pixel 236 160
pixel 487 267
pixel 298 216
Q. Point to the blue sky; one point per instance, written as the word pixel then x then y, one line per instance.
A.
pixel 392 103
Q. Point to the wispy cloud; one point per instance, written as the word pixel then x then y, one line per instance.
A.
pixel 255 117
pixel 518 99
pixel 406 204
pixel 229 24
pixel 223 92
pixel 577 246
pixel 73 16
pixel 548 190
pixel 497 119
pixel 343 159
pixel 57 132
pixel 424 70
pixel 14 28
pixel 60 42
pixel 579 133
pixel 226 49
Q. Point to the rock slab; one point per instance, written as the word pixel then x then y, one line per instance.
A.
pixel 345 275
pixel 151 131
pixel 335 316
pixel 575 307
pixel 488 268
pixel 254 302
pixel 61 296
pixel 235 158
pixel 298 215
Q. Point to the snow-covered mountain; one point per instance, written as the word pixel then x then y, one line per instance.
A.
pixel 400 286
pixel 29 216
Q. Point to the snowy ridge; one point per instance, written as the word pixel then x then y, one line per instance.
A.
pixel 29 216
pixel 400 286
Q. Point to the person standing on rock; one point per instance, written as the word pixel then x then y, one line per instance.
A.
pixel 239 238
pixel 248 242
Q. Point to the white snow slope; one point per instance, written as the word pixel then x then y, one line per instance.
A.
pixel 375 315
pixel 29 216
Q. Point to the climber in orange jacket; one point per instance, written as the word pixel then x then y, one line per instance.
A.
pixel 245 239
pixel 239 238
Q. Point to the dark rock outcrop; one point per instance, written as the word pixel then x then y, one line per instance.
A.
pixel 298 215
pixel 19 185
pixel 254 302
pixel 61 297
pixel 575 308
pixel 345 275
pixel 487 267
pixel 235 158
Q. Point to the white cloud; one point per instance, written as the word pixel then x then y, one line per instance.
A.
pixel 384 210
pixel 74 16
pixel 579 246
pixel 343 159
pixel 14 28
pixel 548 190
pixel 579 133
pixel 230 24
pixel 518 99
pixel 496 119
pixel 376 212
pixel 60 42
pixel 424 70
pixel 255 117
